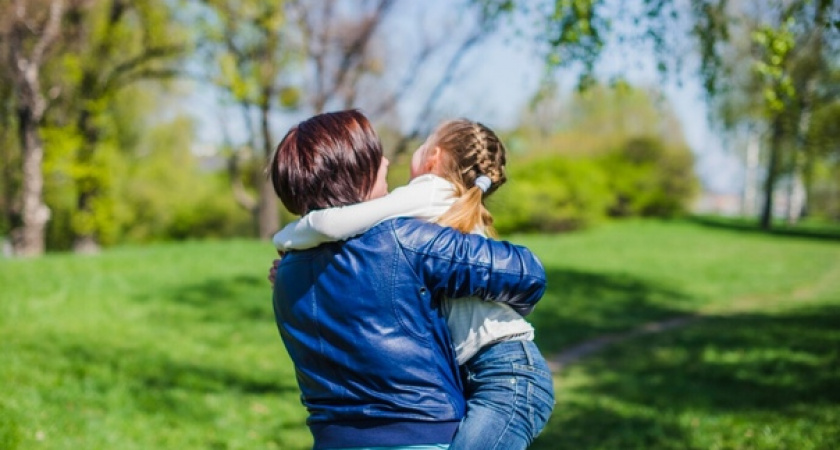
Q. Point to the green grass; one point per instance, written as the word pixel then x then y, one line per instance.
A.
pixel 747 381
pixel 759 370
pixel 174 345
pixel 171 346
pixel 621 275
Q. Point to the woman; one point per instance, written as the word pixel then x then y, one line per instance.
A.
pixel 507 382
pixel 361 319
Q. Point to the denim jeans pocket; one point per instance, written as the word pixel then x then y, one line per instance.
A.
pixel 541 405
pixel 539 393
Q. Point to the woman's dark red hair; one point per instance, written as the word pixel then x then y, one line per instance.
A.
pixel 328 160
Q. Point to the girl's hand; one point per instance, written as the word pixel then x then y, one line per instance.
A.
pixel 272 272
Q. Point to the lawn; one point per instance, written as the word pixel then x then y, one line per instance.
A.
pixel 174 345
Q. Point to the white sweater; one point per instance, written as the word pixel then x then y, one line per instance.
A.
pixel 473 323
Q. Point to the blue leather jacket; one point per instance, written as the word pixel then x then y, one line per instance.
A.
pixel 361 321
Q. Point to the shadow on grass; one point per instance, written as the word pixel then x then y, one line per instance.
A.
pixel 159 383
pixel 241 297
pixel 819 232
pixel 158 371
pixel 582 305
pixel 711 384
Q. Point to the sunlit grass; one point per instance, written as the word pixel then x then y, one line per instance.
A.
pixel 618 276
pixel 764 381
pixel 174 345
pixel 760 368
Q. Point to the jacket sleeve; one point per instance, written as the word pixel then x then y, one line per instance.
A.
pixel 423 200
pixel 458 265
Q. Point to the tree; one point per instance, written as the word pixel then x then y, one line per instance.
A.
pixel 9 151
pixel 67 59
pixel 790 66
pixel 604 152
pixel 308 57
pixel 30 30
pixel 781 31
pixel 247 55
pixel 115 44
pixel 601 117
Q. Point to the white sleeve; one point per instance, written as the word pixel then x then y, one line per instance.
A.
pixel 424 200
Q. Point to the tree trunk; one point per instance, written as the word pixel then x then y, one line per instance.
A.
pixel 772 172
pixel 29 238
pixel 85 238
pixel 268 216
pixel 748 208
pixel 10 165
pixel 85 241
pixel 25 62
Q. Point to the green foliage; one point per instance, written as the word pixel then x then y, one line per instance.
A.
pixel 642 177
pixel 825 191
pixel 150 184
pixel 788 48
pixel 59 183
pixel 591 122
pixel 822 174
pixel 769 66
pixel 648 179
pixel 575 33
pixel 10 176
pixel 247 51
pixel 551 194
pixel 777 44
pixel 166 196
pixel 109 47
pixel 603 152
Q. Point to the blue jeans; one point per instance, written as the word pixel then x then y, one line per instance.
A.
pixel 510 396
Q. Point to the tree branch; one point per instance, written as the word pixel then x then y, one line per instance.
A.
pixel 129 69
pixel 50 33
pixel 356 48
pixel 443 82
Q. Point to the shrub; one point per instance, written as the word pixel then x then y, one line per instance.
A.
pixel 649 179
pixel 642 177
pixel 551 194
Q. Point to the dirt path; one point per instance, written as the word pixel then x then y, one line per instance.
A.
pixel 563 359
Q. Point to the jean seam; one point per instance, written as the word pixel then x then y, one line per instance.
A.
pixel 527 350
pixel 510 417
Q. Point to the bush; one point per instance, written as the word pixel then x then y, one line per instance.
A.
pixel 215 215
pixel 194 206
pixel 649 179
pixel 643 177
pixel 551 194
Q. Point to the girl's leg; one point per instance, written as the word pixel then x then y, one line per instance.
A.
pixel 509 398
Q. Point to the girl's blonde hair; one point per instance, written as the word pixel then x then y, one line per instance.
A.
pixel 468 150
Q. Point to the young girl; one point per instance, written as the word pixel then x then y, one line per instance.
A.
pixel 508 384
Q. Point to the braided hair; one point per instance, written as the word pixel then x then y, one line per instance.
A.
pixel 469 150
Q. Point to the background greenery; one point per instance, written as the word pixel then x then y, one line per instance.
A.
pixel 98 120
pixel 173 345
pixel 166 339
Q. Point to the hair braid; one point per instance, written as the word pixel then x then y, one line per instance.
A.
pixel 489 156
pixel 471 150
